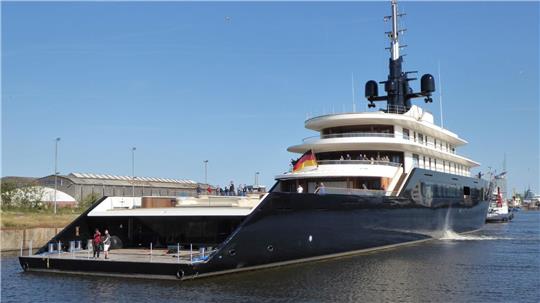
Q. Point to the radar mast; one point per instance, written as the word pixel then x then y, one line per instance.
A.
pixel 398 92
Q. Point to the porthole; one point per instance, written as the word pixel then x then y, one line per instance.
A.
pixel 270 248
pixel 232 252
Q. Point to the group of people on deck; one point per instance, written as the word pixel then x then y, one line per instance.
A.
pixel 321 190
pixel 366 158
pixel 101 243
pixel 231 190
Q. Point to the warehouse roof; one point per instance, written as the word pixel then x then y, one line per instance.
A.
pixel 102 179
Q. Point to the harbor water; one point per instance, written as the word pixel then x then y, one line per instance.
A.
pixel 500 263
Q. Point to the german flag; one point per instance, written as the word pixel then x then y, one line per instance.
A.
pixel 307 160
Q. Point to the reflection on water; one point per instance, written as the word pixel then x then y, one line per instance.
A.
pixel 500 263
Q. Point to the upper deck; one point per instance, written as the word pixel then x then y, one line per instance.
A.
pixel 416 119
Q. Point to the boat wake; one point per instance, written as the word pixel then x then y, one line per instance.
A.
pixel 450 235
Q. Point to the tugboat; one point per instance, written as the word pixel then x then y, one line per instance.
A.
pixel 366 181
pixel 498 209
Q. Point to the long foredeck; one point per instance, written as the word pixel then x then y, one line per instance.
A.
pixel 183 207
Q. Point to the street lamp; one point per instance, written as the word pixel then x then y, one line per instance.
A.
pixel 205 172
pixel 55 170
pixel 133 149
pixel 257 179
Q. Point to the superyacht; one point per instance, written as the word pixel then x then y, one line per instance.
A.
pixel 366 181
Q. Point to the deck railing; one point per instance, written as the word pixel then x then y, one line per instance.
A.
pixel 371 162
pixel 348 135
pixel 358 191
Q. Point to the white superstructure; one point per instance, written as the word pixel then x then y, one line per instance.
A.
pixel 378 145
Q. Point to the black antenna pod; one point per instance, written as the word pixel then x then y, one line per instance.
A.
pixel 398 91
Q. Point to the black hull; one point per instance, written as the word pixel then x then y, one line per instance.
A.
pixel 288 227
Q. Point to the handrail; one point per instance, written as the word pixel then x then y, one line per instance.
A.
pixel 357 191
pixel 372 162
pixel 349 135
pixel 432 145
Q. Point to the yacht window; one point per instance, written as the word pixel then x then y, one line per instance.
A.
pixel 429 163
pixel 435 164
pixel 420 138
pixel 434 142
pixel 415 160
pixel 427 139
pixel 414 134
pixel 358 130
pixel 405 134
pixel 424 161
pixel 466 191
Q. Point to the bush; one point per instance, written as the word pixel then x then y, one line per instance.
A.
pixel 25 195
pixel 88 200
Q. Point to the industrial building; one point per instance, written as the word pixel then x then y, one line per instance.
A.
pixel 80 185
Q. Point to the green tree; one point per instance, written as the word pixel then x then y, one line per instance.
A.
pixel 7 192
pixel 88 200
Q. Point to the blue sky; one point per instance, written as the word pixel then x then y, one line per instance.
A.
pixel 233 82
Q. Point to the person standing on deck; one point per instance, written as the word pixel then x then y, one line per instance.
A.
pixel 106 244
pixel 96 242
pixel 231 189
pixel 321 190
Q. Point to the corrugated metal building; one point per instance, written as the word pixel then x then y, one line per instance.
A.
pixel 80 185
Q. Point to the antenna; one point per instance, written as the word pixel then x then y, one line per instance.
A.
pixel 394 43
pixel 353 93
pixel 440 95
pixel 504 162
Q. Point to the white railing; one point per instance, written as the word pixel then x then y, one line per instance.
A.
pixel 348 135
pixel 431 144
pixel 370 162
pixel 357 191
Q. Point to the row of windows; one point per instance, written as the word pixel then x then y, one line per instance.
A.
pixel 451 191
pixel 425 139
pixel 386 129
pixel 440 165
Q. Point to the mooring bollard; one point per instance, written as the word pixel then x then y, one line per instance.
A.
pixel 191 253
pixel 22 245
pixel 150 251
pixel 72 248
pixel 178 252
pixel 30 248
pixel 59 247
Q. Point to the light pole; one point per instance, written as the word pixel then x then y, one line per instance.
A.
pixel 133 149
pixel 206 172
pixel 257 179
pixel 55 170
